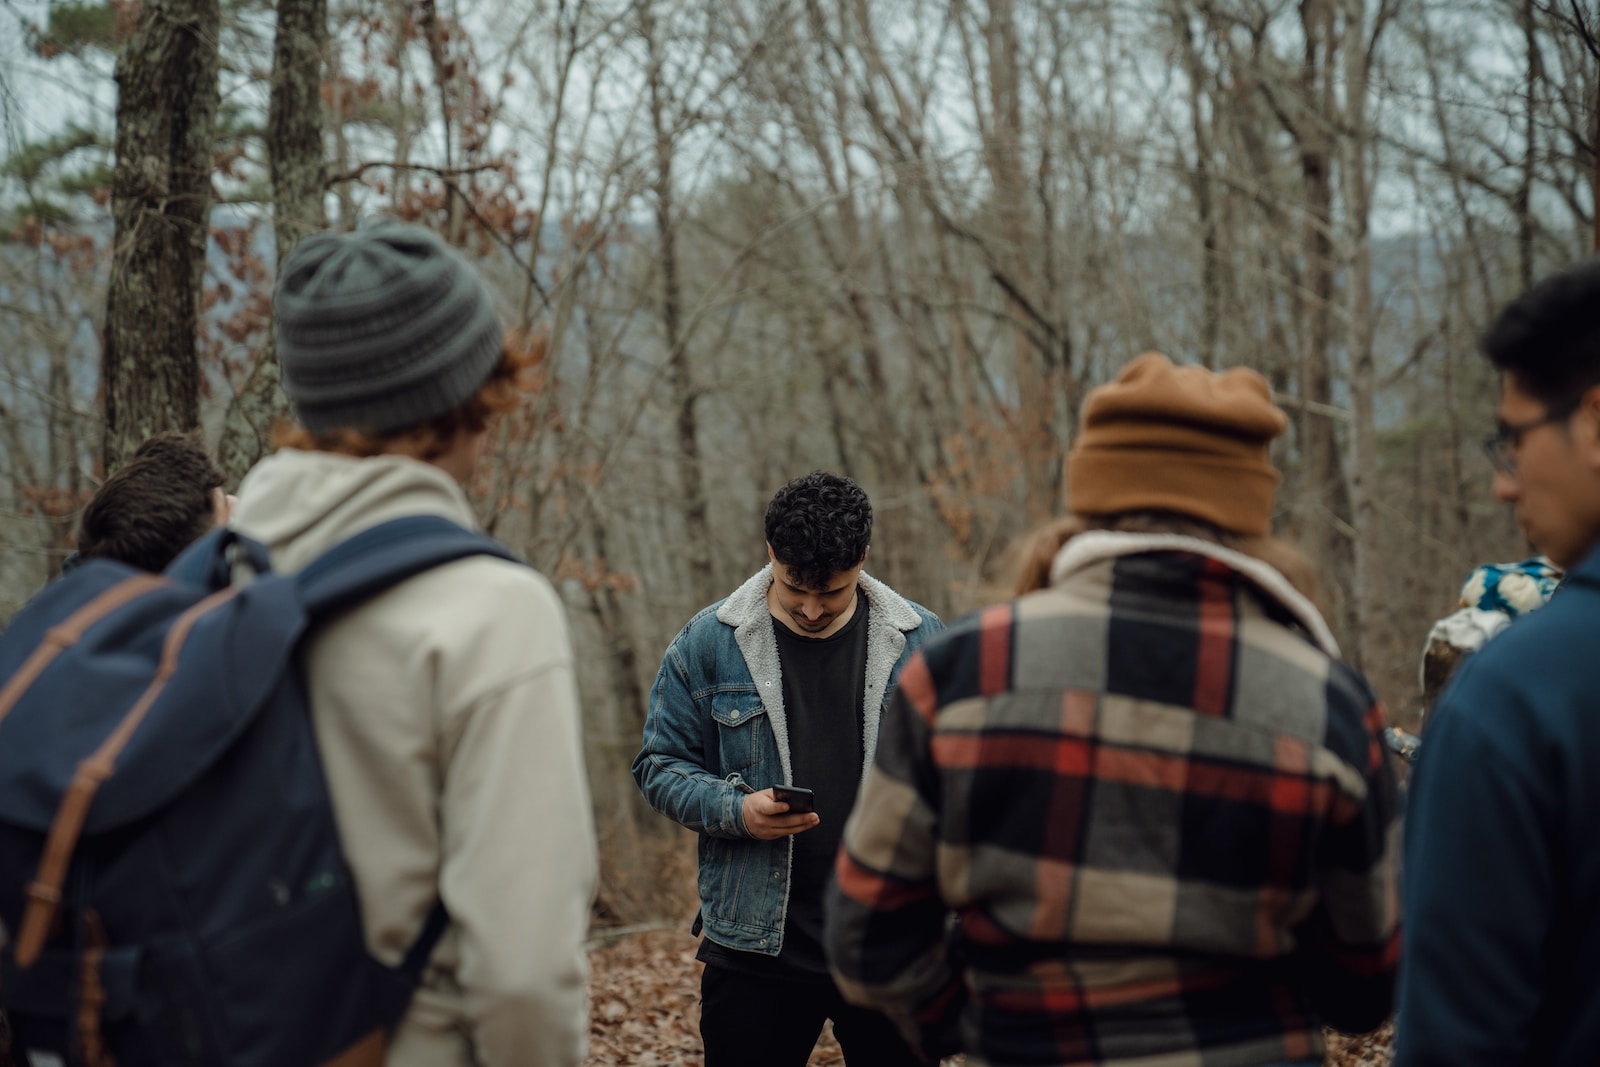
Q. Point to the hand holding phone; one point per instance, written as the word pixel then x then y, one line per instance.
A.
pixel 766 824
pixel 801 801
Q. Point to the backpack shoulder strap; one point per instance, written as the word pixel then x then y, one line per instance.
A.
pixel 387 554
pixel 361 567
pixel 427 940
pixel 396 996
pixel 209 561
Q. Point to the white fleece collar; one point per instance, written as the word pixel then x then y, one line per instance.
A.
pixel 747 605
pixel 889 618
pixel 1097 546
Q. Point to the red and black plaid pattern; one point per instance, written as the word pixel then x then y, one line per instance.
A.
pixel 1164 820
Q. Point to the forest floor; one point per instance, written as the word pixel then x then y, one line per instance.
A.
pixel 644 991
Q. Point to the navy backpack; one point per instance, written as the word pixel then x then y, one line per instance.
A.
pixel 172 891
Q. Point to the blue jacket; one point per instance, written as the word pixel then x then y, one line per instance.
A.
pixel 1501 964
pixel 716 730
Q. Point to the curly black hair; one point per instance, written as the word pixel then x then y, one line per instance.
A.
pixel 818 525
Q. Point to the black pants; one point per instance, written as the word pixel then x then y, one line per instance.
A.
pixel 747 1021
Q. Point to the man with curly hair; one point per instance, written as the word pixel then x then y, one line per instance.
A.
pixel 780 684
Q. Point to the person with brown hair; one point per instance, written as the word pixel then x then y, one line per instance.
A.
pixel 445 709
pixel 164 498
pixel 1141 812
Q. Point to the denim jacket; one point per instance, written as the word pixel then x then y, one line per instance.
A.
pixel 716 730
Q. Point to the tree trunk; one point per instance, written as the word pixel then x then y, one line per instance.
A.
pixel 1038 444
pixel 1210 269
pixel 160 205
pixel 1319 434
pixel 1522 203
pixel 299 183
pixel 1363 378
pixel 696 510
pixel 613 615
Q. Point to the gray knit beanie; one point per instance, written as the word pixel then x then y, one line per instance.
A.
pixel 381 329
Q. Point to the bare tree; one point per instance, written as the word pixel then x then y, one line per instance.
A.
pixel 1355 164
pixel 665 120
pixel 161 206
pixel 902 238
pixel 297 164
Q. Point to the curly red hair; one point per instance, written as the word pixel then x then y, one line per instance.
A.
pixel 504 390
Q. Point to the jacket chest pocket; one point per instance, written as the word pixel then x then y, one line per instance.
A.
pixel 742 731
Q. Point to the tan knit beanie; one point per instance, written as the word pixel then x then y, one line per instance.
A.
pixel 1184 439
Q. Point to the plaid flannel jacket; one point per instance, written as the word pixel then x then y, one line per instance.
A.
pixel 1162 817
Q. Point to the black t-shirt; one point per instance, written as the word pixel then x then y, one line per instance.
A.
pixel 824 683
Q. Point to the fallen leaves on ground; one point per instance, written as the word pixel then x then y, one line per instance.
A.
pixel 644 1010
pixel 643 1001
pixel 644 1004
pixel 1369 1050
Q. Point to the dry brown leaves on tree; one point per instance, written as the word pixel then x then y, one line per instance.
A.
pixel 644 1010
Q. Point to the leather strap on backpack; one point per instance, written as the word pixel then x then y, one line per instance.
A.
pixel 92 995
pixel 44 893
pixel 60 638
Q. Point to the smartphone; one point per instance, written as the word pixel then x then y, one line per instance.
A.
pixel 800 801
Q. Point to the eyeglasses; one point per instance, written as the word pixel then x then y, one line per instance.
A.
pixel 1501 446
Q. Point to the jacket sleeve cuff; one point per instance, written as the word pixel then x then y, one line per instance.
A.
pixel 733 806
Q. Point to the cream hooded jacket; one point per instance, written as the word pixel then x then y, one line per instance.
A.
pixel 447 719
